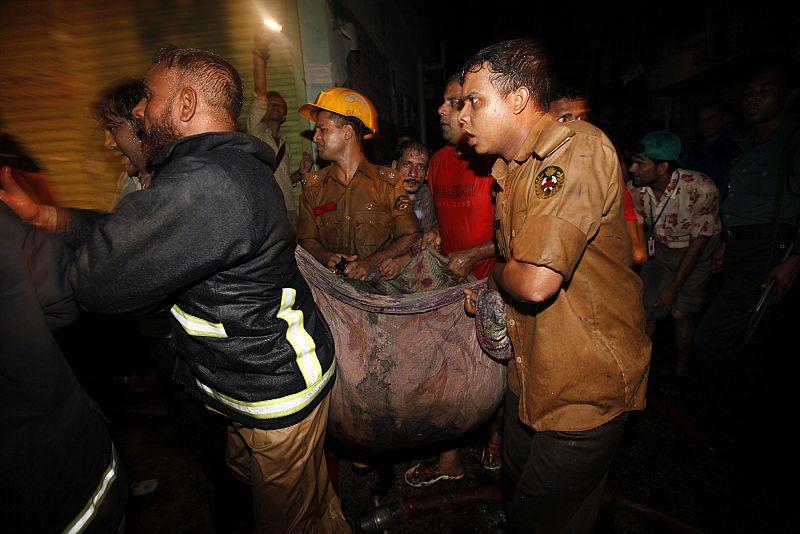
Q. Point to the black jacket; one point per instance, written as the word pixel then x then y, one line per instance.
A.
pixel 210 239
pixel 55 450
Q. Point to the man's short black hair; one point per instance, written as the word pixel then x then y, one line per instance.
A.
pixel 413 146
pixel 514 64
pixel 116 102
pixel 358 126
pixel 210 75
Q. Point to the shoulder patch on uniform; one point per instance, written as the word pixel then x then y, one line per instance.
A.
pixel 549 181
pixel 402 203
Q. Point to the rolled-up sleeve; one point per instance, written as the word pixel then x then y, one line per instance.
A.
pixel 404 222
pixel 557 227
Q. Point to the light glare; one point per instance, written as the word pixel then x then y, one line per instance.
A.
pixel 272 25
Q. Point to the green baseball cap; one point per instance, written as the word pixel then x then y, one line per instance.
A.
pixel 661 145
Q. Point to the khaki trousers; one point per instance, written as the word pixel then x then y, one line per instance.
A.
pixel 287 471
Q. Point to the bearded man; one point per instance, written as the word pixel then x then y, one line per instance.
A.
pixel 209 241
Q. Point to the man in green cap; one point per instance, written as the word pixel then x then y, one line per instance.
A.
pixel 679 207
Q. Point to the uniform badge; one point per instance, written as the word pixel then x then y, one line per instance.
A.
pixel 549 181
pixel 402 203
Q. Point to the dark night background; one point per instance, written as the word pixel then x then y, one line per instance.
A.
pixel 609 49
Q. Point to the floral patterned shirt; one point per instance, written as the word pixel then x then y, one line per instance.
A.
pixel 689 208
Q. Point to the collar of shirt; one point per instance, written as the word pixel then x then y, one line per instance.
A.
pixel 365 169
pixel 653 203
pixel 546 136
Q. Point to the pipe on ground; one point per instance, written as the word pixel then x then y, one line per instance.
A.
pixel 384 517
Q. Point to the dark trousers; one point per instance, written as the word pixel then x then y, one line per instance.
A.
pixel 731 371
pixel 554 481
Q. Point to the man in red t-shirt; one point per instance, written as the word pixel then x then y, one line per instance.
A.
pixel 461 185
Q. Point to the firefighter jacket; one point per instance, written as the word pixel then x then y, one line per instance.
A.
pixel 210 240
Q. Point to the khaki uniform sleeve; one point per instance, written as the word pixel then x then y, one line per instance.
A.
pixel 306 223
pixel 559 224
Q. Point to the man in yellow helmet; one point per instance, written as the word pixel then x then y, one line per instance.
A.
pixel 354 216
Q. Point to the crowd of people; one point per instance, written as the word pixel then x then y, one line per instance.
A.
pixel 590 244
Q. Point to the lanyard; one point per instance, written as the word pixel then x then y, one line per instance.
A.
pixel 655 221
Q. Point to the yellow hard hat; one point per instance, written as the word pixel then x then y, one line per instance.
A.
pixel 345 102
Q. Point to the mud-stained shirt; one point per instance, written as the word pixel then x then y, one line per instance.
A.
pixel 358 218
pixel 582 357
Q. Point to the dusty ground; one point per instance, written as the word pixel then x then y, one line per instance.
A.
pixel 664 478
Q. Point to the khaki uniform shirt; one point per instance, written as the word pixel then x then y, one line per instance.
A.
pixel 359 217
pixel 582 357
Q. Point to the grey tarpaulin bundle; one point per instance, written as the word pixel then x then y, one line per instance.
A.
pixel 410 370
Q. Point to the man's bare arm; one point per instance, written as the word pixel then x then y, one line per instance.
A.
pixel 360 269
pixel 397 247
pixel 460 263
pixel 526 282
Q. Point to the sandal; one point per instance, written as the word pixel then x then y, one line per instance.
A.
pixel 423 474
pixel 491 458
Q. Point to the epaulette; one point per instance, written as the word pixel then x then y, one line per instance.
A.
pixel 553 136
pixel 387 174
pixel 310 179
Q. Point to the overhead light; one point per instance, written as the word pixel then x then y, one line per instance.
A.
pixel 272 25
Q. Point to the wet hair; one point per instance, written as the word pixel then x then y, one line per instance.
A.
pixel 343 120
pixel 513 64
pixel 116 102
pixel 208 73
pixel 411 146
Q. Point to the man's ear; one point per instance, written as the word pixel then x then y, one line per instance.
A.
pixel 394 164
pixel 187 104
pixel 521 98
pixel 349 131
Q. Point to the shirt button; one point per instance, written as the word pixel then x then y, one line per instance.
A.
pixel 519 359
pixel 512 322
pixel 513 233
pixel 347 217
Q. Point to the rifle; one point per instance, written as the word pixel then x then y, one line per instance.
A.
pixel 765 301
